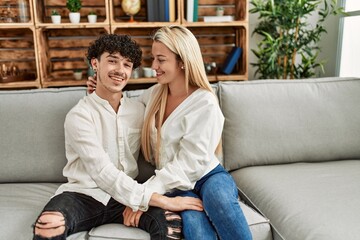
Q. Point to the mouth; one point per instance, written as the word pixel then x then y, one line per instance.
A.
pixel 117 78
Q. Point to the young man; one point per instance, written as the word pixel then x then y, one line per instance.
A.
pixel 102 140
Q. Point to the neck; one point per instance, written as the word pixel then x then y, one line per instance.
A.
pixel 112 98
pixel 180 90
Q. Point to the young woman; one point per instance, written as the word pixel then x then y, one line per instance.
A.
pixel 181 132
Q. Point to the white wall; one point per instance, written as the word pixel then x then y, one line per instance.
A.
pixel 328 45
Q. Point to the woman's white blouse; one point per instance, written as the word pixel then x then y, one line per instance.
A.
pixel 189 137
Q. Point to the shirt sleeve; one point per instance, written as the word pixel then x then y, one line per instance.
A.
pixel 144 97
pixel 202 133
pixel 81 135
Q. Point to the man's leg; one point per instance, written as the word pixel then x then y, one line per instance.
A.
pixel 160 224
pixel 65 214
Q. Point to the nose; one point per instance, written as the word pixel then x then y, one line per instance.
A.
pixel 154 65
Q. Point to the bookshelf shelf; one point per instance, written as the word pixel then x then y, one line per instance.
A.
pixel 54 51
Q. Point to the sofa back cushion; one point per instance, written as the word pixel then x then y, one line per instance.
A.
pixel 32 133
pixel 286 121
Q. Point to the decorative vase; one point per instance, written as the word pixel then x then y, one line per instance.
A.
pixel 74 17
pixel 131 7
pixel 56 19
pixel 78 75
pixel 92 18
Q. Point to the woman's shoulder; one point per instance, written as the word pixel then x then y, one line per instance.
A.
pixel 205 96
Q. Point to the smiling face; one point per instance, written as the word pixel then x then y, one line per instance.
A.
pixel 167 66
pixel 113 72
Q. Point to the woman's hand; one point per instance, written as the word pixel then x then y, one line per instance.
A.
pixel 131 218
pixel 176 204
pixel 91 83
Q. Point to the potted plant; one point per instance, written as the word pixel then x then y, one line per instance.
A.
pixel 289 45
pixel 92 17
pixel 78 74
pixel 74 7
pixel 55 17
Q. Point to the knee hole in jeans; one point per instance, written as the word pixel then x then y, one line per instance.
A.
pixel 174 225
pixel 50 224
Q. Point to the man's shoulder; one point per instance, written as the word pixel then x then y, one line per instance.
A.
pixel 82 107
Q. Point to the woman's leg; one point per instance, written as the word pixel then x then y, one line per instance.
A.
pixel 220 200
pixel 196 225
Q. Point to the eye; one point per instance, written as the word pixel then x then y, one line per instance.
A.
pixel 113 61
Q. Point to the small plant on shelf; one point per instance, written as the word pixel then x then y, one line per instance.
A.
pixel 55 13
pixel 55 17
pixel 74 7
pixel 92 17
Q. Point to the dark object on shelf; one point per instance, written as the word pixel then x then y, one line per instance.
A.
pixel 25 76
pixel 231 60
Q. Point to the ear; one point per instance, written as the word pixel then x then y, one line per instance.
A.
pixel 94 64
pixel 181 65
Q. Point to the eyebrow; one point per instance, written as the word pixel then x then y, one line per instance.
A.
pixel 117 57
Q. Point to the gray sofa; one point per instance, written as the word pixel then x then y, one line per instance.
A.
pixel 32 157
pixel 292 146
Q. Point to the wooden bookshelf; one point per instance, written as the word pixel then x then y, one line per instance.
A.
pixel 53 51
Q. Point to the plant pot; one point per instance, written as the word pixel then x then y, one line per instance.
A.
pixel 78 75
pixel 74 17
pixel 92 18
pixel 56 19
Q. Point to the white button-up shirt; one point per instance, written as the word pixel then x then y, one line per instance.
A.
pixel 189 137
pixel 102 148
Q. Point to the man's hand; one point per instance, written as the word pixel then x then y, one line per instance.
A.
pixel 131 218
pixel 91 83
pixel 176 203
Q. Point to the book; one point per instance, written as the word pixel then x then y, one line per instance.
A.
pixel 172 13
pixel 166 10
pixel 226 18
pixel 231 60
pixel 162 10
pixel 152 10
pixel 190 10
pixel 196 11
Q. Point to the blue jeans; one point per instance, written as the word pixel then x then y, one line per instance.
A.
pixel 82 213
pixel 222 216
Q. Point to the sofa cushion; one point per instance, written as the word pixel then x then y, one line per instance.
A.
pixel 259 226
pixel 32 133
pixel 306 200
pixel 286 121
pixel 20 205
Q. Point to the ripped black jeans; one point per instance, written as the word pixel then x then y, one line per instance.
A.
pixel 82 213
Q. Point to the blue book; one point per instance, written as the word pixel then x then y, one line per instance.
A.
pixel 167 11
pixel 196 11
pixel 231 60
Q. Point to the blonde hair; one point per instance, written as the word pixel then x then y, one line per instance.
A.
pixel 184 45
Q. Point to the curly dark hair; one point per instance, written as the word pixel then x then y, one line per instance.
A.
pixel 114 43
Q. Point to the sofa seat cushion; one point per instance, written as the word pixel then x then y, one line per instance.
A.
pixel 306 200
pixel 21 203
pixel 259 226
